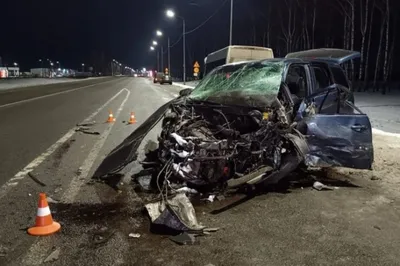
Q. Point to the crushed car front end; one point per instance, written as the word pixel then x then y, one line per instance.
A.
pixel 235 128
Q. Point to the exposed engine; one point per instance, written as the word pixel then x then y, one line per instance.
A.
pixel 204 144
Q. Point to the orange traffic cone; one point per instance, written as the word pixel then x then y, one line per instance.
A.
pixel 44 221
pixel 111 117
pixel 132 119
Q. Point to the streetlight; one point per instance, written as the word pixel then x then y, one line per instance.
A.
pixel 15 64
pixel 159 33
pixel 155 43
pixel 41 67
pixel 171 14
pixel 83 67
pixel 151 48
pixel 231 24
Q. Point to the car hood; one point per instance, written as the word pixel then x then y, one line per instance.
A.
pixel 126 152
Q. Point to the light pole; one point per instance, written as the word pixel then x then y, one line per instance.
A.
pixel 51 69
pixel 159 33
pixel 41 68
pixel 231 24
pixel 171 14
pixel 112 67
pixel 83 67
pixel 169 58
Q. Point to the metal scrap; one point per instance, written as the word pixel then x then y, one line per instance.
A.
pixel 34 178
pixel 86 130
pixel 86 124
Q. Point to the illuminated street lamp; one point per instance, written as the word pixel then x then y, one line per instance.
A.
pixel 151 48
pixel 159 33
pixel 155 43
pixel 15 64
pixel 171 14
pixel 83 67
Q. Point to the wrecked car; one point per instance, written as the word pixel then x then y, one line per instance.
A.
pixel 253 123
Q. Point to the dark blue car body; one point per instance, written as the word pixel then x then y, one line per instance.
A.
pixel 336 131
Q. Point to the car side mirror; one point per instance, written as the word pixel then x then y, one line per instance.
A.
pixel 185 92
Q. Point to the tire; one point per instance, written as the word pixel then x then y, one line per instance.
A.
pixel 170 83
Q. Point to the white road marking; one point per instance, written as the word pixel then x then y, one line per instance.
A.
pixel 37 252
pixel 52 94
pixel 78 181
pixel 36 162
pixel 384 133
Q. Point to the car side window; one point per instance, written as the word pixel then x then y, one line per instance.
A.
pixel 322 79
pixel 339 76
pixel 296 80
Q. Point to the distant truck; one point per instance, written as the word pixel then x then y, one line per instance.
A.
pixel 236 53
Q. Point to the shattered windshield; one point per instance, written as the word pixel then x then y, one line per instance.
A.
pixel 255 84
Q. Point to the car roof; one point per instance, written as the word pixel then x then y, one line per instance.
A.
pixel 285 61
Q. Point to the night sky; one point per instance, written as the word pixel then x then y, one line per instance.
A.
pixel 75 31
pixel 96 31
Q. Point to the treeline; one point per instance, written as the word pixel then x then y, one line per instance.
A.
pixel 368 26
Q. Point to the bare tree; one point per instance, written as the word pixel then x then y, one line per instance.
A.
pixel 306 35
pixel 382 30
pixel 346 8
pixel 366 70
pixel 313 23
pixel 290 30
pixel 363 27
pixel 385 63
pixel 391 53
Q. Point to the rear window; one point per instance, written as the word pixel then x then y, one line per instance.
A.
pixel 339 76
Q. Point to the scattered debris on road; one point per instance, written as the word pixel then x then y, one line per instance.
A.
pixel 34 178
pixel 53 256
pixel 51 200
pixel 184 239
pixel 85 124
pixel 79 171
pixel 319 186
pixel 133 235
pixel 86 130
pixel 176 213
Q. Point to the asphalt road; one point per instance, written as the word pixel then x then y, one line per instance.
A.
pixel 356 224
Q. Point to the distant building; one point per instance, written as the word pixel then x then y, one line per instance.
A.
pixel 13 72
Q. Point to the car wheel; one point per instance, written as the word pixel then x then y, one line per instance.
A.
pixel 170 83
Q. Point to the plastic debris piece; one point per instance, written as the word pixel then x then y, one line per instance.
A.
pixel 53 256
pixel 133 235
pixel 319 186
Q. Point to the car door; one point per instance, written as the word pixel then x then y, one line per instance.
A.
pixel 341 139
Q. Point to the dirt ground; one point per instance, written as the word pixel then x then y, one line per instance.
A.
pixel 355 224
